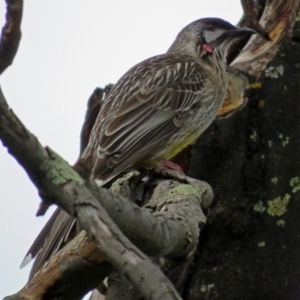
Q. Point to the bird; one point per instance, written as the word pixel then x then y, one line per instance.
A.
pixel 154 111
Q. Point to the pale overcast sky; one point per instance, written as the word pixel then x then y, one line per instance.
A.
pixel 67 49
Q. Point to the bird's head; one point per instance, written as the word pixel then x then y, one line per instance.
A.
pixel 207 36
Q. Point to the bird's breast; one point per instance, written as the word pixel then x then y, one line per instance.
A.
pixel 206 105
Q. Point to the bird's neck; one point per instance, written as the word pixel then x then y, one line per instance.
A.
pixel 180 47
pixel 217 58
pixel 216 61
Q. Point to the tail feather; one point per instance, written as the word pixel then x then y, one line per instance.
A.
pixel 56 232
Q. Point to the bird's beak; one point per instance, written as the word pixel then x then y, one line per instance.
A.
pixel 234 33
pixel 239 32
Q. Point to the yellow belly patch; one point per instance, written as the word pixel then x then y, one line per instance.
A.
pixel 171 150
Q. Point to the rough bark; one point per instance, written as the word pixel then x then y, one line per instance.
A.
pixel 81 258
pixel 250 247
pixel 176 229
pixel 11 33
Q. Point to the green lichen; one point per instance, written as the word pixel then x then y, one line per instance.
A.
pixel 205 288
pixel 261 103
pixel 277 207
pixel 274 180
pixel 58 170
pixel 182 189
pixel 280 223
pixel 295 184
pixel 176 193
pixel 274 72
pixel 286 141
pixel 261 244
pixel 259 206
pixel 298 16
pixel 115 187
pixel 253 136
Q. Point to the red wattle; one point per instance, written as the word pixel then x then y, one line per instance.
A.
pixel 208 48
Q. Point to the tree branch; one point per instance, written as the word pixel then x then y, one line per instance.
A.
pixel 235 93
pixel 277 19
pixel 175 205
pixel 252 12
pixel 11 33
pixel 70 274
pixel 58 183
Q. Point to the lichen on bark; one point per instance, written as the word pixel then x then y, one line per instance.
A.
pixel 58 170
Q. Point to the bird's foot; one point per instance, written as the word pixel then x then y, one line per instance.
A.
pixel 167 165
pixel 176 173
pixel 168 169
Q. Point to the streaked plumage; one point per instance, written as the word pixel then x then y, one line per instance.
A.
pixel 163 104
pixel 158 107
pixel 167 96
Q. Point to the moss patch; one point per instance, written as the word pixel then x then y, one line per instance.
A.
pixel 182 189
pixel 58 171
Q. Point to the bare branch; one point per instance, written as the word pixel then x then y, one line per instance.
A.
pixel 72 272
pixel 252 8
pixel 252 12
pixel 58 183
pixel 175 206
pixel 11 33
pixel 278 20
pixel 234 98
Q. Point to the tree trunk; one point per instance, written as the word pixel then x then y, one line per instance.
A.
pixel 250 247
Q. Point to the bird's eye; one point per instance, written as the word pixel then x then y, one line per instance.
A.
pixel 210 27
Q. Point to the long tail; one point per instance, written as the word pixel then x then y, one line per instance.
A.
pixel 59 228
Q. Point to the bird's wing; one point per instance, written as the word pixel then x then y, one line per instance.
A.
pixel 49 241
pixel 141 117
pixel 145 107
